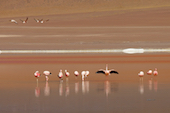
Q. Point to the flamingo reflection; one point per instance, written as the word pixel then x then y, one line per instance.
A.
pixel 107 88
pixel 141 87
pixel 67 90
pixel 37 90
pixel 153 83
pixel 76 87
pixel 61 88
pixel 150 83
pixel 85 87
pixel 46 89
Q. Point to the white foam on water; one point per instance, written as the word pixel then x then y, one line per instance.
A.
pixel 127 51
pixel 62 51
pixel 133 51
pixel 3 36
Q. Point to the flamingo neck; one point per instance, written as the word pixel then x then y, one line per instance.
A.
pixel 106 67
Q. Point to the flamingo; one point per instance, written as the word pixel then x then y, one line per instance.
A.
pixel 141 74
pixel 107 71
pixel 37 20
pixel 155 72
pixel 83 74
pixel 24 21
pixel 149 72
pixel 67 74
pixel 37 89
pixel 60 75
pixel 46 89
pixel 37 74
pixel 42 21
pixel 76 73
pixel 13 21
pixel 47 73
pixel 87 73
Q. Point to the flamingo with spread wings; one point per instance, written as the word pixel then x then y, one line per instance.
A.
pixel 24 21
pixel 107 71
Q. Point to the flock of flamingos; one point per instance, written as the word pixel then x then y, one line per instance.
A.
pixel 26 20
pixel 85 74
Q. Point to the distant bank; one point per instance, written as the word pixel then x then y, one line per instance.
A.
pixel 17 8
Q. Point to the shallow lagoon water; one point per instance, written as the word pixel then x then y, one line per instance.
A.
pixel 126 92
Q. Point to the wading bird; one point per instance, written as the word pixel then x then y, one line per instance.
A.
pixel 155 72
pixel 47 73
pixel 60 75
pixel 24 21
pixel 13 21
pixel 37 74
pixel 83 74
pixel 107 71
pixel 42 21
pixel 149 72
pixel 76 73
pixel 87 73
pixel 37 90
pixel 141 74
pixel 67 74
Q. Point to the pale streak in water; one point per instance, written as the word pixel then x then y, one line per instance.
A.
pixel 128 51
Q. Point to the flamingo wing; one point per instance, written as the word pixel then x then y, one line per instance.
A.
pixel 100 71
pixel 21 20
pixel 26 19
pixel 47 20
pixel 36 20
pixel 112 71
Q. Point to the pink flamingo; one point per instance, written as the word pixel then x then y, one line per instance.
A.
pixel 13 21
pixel 60 75
pixel 76 73
pixel 83 74
pixel 47 73
pixel 37 74
pixel 107 71
pixel 37 89
pixel 155 72
pixel 67 74
pixel 24 21
pixel 87 73
pixel 42 21
pixel 149 72
pixel 141 74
